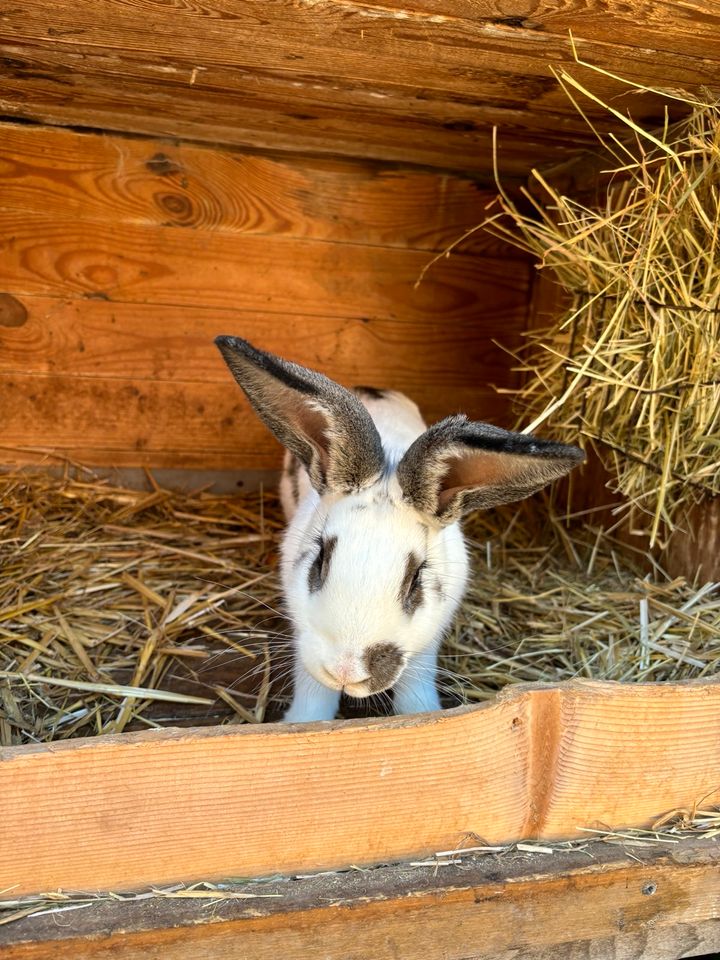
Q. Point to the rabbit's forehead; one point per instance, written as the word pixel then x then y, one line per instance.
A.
pixel 381 520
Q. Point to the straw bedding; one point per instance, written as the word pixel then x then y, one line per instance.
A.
pixel 123 609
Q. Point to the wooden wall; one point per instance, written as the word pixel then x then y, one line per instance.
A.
pixel 409 81
pixel 123 257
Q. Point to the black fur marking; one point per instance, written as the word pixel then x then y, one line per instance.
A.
pixel 373 392
pixel 384 662
pixel 266 362
pixel 320 567
pixel 519 444
pixel 411 589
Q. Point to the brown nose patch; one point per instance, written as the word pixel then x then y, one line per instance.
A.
pixel 383 662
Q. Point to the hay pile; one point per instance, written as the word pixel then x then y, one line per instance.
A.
pixel 553 601
pixel 124 610
pixel 633 365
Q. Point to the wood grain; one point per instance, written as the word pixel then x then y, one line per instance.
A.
pixel 539 762
pixel 121 422
pixel 125 180
pixel 45 255
pixel 533 906
pixel 412 85
pixel 143 385
pixel 155 342
pixel 108 309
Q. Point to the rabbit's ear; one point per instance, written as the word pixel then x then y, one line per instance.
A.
pixel 458 465
pixel 322 423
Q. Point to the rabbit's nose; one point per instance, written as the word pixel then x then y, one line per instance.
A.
pixel 347 671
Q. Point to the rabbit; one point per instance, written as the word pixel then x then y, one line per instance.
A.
pixel 373 559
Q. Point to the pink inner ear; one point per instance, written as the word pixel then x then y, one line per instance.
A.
pixel 315 426
pixel 472 471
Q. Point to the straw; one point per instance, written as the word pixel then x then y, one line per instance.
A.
pixel 101 631
pixel 632 368
pixel 122 609
pixel 559 601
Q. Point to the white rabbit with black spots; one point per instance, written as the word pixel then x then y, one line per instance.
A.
pixel 373 561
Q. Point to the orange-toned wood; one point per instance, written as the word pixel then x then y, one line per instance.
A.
pixel 43 255
pixel 169 424
pixel 142 384
pixel 109 305
pixel 561 907
pixel 694 548
pixel 101 339
pixel 121 180
pixel 412 84
pixel 539 762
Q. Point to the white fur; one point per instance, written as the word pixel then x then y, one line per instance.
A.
pixel 359 604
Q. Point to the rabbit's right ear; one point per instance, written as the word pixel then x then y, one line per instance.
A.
pixel 459 465
pixel 322 423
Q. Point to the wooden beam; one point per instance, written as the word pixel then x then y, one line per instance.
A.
pixel 660 903
pixel 418 84
pixel 129 180
pixel 540 762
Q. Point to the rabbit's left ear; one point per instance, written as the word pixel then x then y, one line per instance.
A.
pixel 458 465
pixel 322 423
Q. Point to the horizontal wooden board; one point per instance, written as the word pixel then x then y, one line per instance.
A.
pixel 165 423
pixel 45 255
pixel 125 180
pixel 155 342
pixel 408 137
pixel 539 762
pixel 534 906
pixel 356 44
pixel 408 84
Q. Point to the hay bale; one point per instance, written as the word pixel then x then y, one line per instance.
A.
pixel 632 367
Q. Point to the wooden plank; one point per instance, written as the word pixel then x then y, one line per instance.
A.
pixel 45 255
pixel 500 95
pixel 120 422
pixel 407 137
pixel 537 907
pixel 661 27
pixel 155 342
pixel 386 43
pixel 122 180
pixel 391 83
pixel 538 762
pixel 139 384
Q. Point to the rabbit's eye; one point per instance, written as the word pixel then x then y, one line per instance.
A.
pixel 411 590
pixel 320 566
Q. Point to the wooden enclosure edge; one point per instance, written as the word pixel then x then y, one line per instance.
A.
pixel 662 902
pixel 539 762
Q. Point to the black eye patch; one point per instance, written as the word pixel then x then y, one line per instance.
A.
pixel 411 589
pixel 319 568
